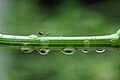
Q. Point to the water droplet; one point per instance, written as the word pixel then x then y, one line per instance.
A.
pixel 86 43
pixel 33 36
pixel 1 35
pixel 43 51
pixel 60 38
pixel 27 50
pixel 68 51
pixel 93 37
pixel 85 50
pixel 44 40
pixel 100 50
pixel 26 44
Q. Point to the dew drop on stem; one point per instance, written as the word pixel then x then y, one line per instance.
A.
pixel 27 50
pixel 33 36
pixel 100 50
pixel 43 51
pixel 85 50
pixel 68 51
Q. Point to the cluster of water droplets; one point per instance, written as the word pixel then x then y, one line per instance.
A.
pixel 67 51
pixel 97 50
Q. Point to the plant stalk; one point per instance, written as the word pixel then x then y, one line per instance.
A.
pixel 87 42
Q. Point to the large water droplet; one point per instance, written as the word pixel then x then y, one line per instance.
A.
pixel 27 50
pixel 85 50
pixel 68 51
pixel 43 51
pixel 100 50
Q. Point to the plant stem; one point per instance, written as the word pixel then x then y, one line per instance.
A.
pixel 35 42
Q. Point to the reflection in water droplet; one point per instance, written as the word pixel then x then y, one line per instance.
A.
pixel 85 50
pixel 100 50
pixel 43 51
pixel 27 50
pixel 68 51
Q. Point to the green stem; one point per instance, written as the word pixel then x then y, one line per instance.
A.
pixel 35 42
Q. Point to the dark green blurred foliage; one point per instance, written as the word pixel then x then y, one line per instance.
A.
pixel 62 18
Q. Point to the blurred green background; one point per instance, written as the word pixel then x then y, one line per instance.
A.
pixel 60 18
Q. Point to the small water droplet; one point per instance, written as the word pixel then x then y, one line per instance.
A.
pixel 43 51
pixel 1 35
pixel 68 51
pixel 86 43
pixel 85 50
pixel 27 50
pixel 26 44
pixel 100 50
pixel 93 37
pixel 33 36
pixel 44 40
